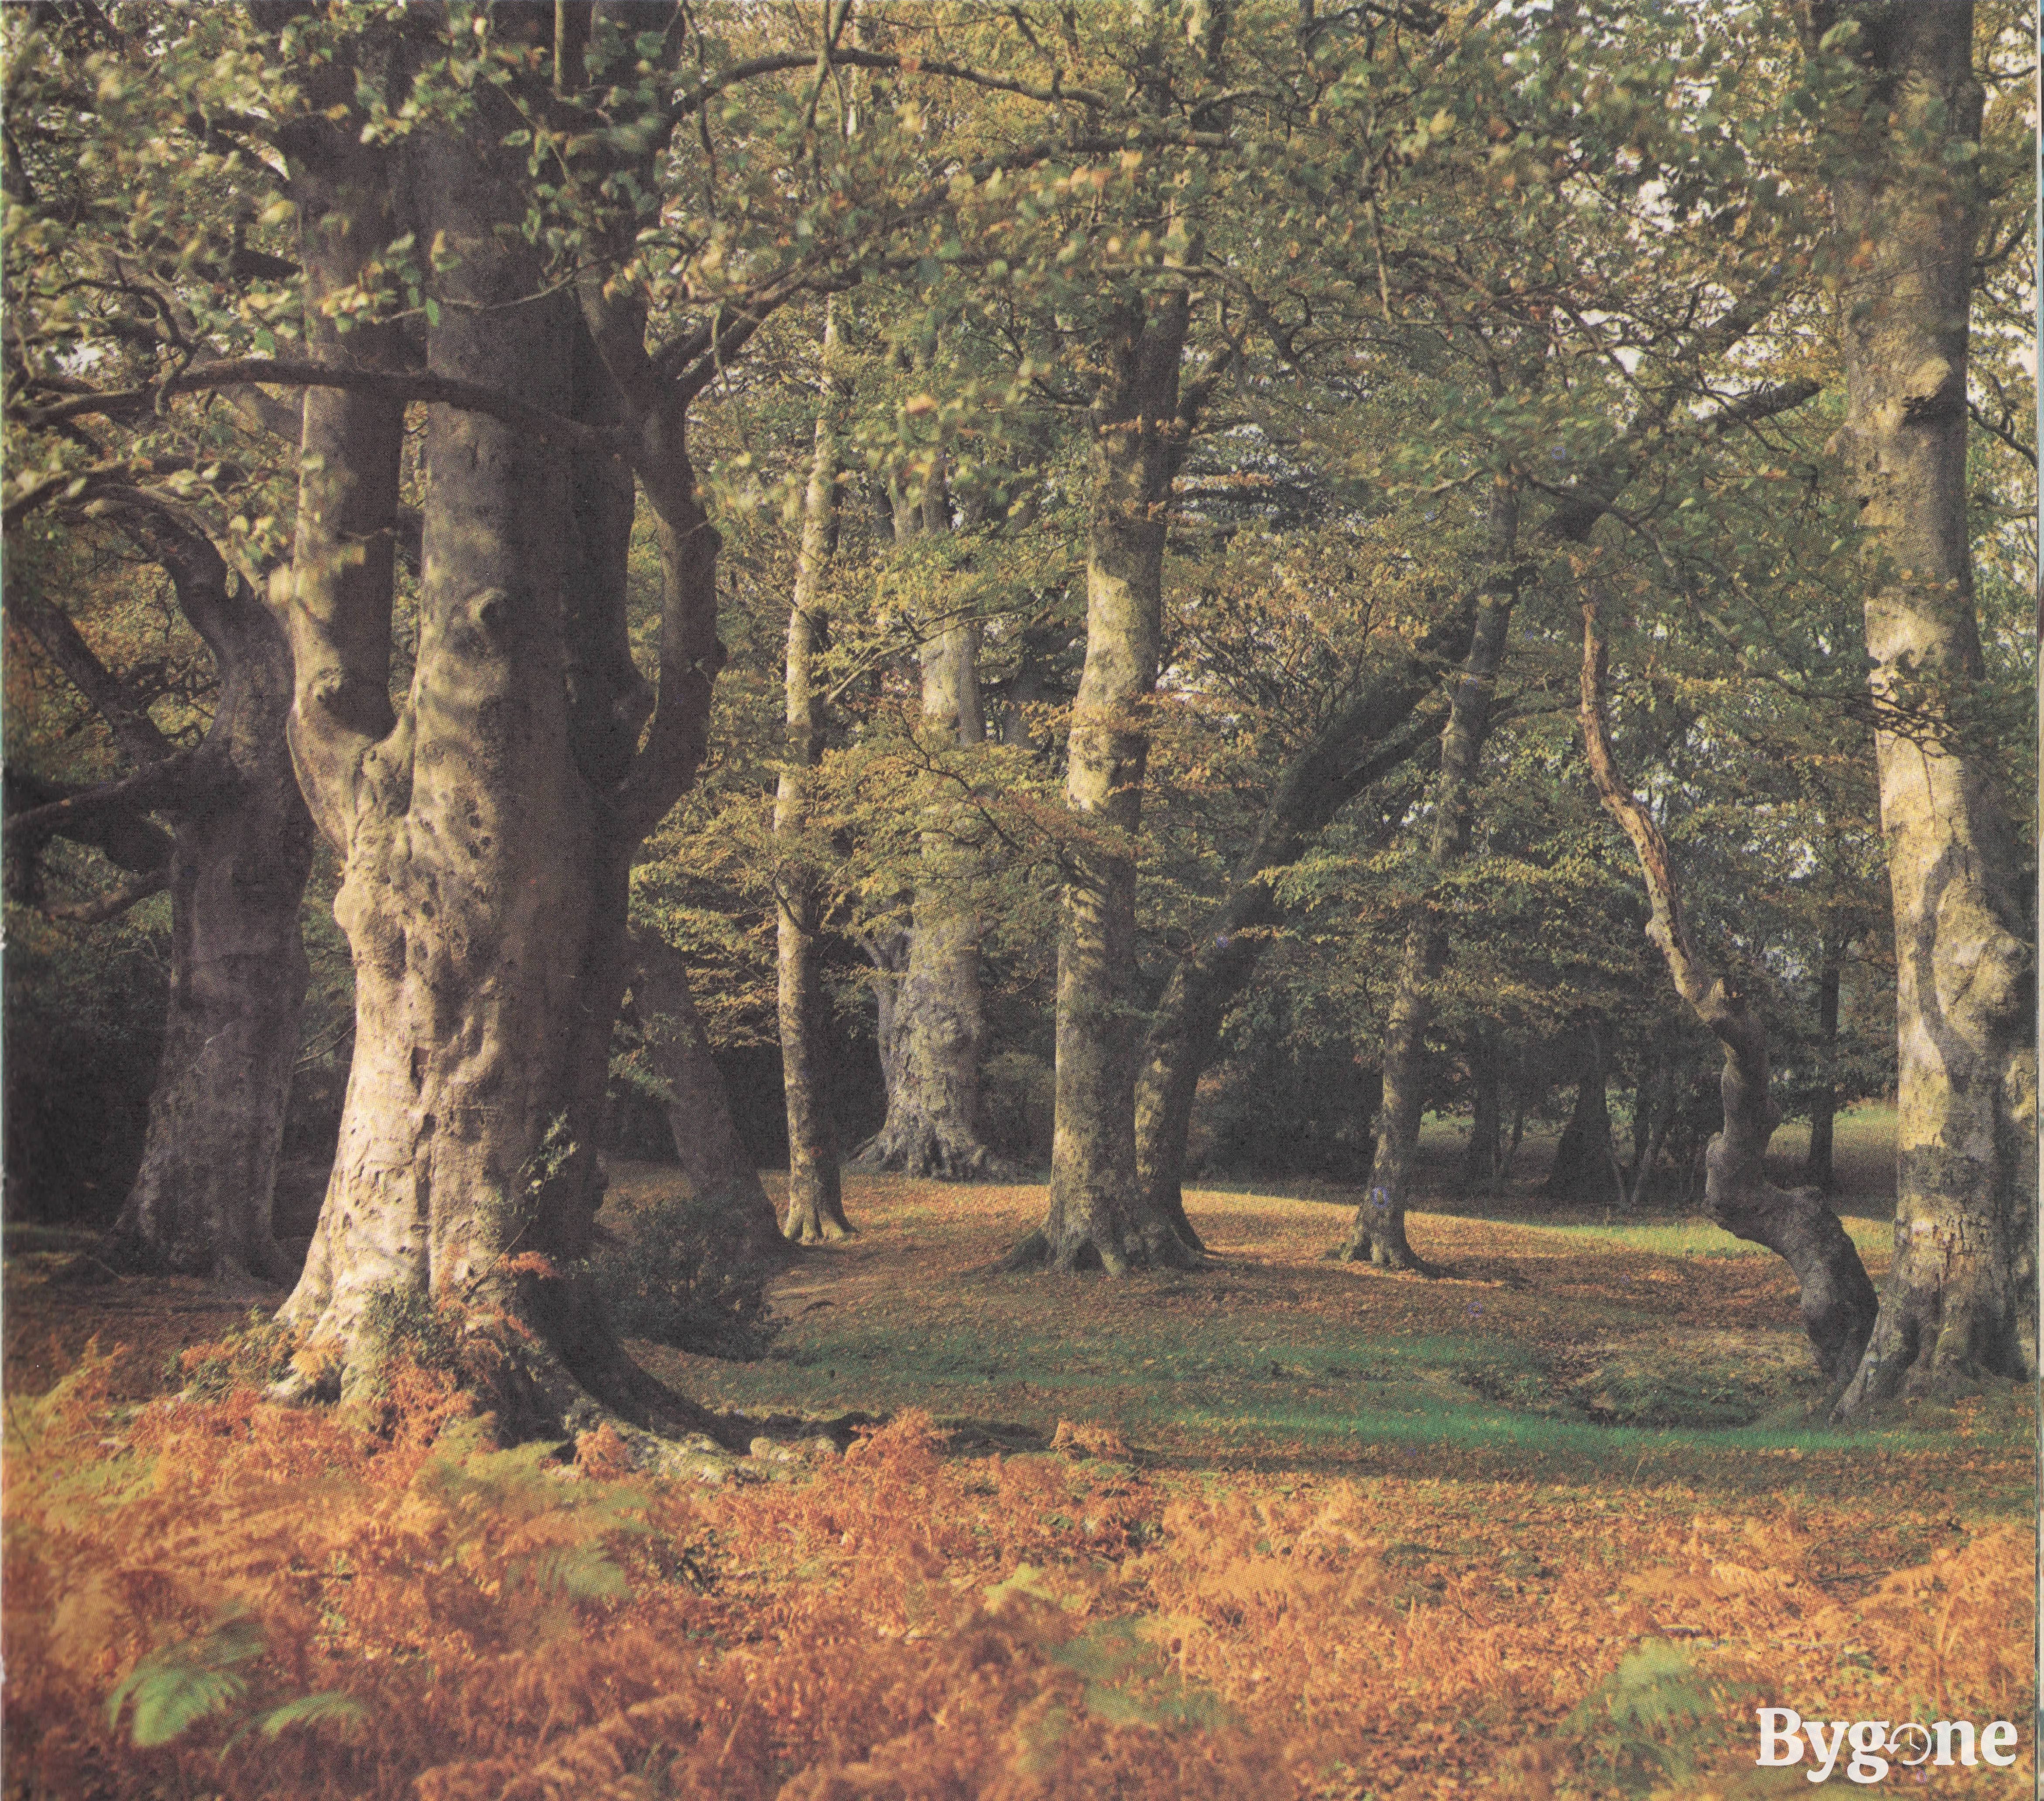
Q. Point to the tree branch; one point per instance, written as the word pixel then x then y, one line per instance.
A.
pixel 394 384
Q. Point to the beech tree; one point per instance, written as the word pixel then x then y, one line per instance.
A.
pixel 105 274
pixel 1903 110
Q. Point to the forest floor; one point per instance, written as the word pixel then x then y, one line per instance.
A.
pixel 1553 1524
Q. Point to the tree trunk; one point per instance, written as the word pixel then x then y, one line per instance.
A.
pixel 1584 1172
pixel 1368 738
pixel 200 1202
pixel 1961 1302
pixel 1099 1211
pixel 1652 1103
pixel 1377 1233
pixel 706 1143
pixel 934 1014
pixel 1484 1154
pixel 1817 1169
pixel 1838 1299
pixel 485 828
pixel 815 1208
pixel 238 855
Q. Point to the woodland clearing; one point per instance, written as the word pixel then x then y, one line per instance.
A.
pixel 1555 1523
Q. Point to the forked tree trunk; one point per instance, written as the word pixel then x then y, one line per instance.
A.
pixel 713 1157
pixel 1099 1212
pixel 1377 1233
pixel 1369 737
pixel 1961 1302
pixel 815 1209
pixel 236 865
pixel 1838 1300
pixel 934 1028
pixel 242 849
pixel 485 826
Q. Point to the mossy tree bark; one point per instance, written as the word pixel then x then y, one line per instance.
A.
pixel 1838 1300
pixel 815 1209
pixel 1377 1233
pixel 1961 1302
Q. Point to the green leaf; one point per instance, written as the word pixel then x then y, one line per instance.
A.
pixel 432 313
pixel 329 1708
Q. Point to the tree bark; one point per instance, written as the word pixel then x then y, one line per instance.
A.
pixel 241 852
pixel 706 1142
pixel 1838 1300
pixel 485 826
pixel 1961 1302
pixel 934 1029
pixel 1100 1213
pixel 1653 1102
pixel 815 1210
pixel 1377 1233
pixel 236 864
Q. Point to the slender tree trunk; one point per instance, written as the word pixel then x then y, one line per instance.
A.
pixel 1480 1159
pixel 1099 1212
pixel 1378 1231
pixel 1584 1172
pixel 934 1012
pixel 815 1208
pixel 707 1145
pixel 1651 1106
pixel 1961 1301
pixel 1817 1168
pixel 1838 1300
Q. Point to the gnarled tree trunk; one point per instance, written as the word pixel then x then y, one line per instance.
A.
pixel 815 1209
pixel 1838 1299
pixel 1961 1301
pixel 484 824
pixel 236 865
pixel 1378 1231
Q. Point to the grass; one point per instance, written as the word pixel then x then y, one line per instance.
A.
pixel 1588 1438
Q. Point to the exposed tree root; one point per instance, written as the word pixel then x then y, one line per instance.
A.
pixel 1153 1248
pixel 924 1149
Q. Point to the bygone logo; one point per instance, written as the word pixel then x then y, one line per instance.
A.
pixel 1872 1743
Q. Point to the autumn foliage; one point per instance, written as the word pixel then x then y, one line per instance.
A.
pixel 397 1607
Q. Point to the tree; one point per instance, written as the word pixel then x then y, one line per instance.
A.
pixel 677 1054
pixel 816 1201
pixel 98 280
pixel 1903 110
pixel 1838 1299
